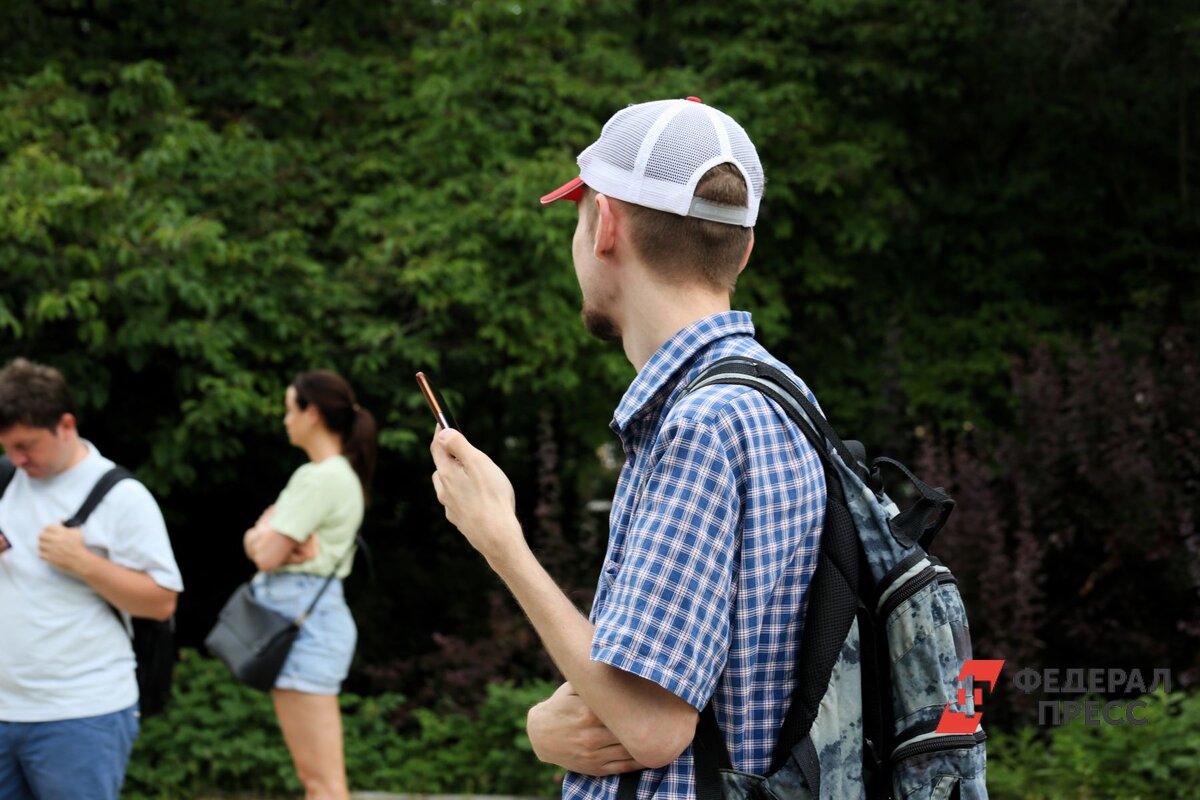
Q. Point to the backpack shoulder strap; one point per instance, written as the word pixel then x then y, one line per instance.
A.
pixel 919 524
pixel 776 384
pixel 833 593
pixel 7 471
pixel 107 481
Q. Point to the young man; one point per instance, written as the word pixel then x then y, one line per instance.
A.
pixel 716 520
pixel 68 692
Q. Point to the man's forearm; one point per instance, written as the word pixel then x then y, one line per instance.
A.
pixel 654 725
pixel 131 591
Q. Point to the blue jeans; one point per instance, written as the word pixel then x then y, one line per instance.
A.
pixel 66 759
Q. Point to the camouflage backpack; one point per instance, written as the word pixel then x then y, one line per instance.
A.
pixel 883 644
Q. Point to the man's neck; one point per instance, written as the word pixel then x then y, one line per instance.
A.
pixel 79 451
pixel 654 313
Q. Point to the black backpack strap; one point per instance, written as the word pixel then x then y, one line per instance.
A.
pixel 920 522
pixel 833 593
pixel 107 481
pixel 748 372
pixel 709 756
pixel 7 471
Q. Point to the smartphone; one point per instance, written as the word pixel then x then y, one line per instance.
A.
pixel 437 405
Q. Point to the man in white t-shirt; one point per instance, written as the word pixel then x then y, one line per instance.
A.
pixel 68 692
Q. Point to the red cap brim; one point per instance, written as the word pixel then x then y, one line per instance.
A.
pixel 571 190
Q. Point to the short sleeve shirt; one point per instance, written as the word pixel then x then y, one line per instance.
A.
pixel 713 538
pixel 63 652
pixel 325 498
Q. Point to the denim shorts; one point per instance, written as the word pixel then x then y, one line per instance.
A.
pixel 320 657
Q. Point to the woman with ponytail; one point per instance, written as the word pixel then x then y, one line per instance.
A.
pixel 307 535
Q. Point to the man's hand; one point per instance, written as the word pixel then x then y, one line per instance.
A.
pixel 477 495
pixel 641 718
pixel 63 548
pixel 565 732
pixel 129 590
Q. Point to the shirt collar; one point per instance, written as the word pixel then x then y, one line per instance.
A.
pixel 92 452
pixel 654 382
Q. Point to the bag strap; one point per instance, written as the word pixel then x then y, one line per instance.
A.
pixel 107 481
pixel 709 756
pixel 300 620
pixel 7 471
pixel 102 487
pixel 765 378
pixel 920 522
pixel 367 557
pixel 833 593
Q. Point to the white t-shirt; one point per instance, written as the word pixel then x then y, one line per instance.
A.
pixel 63 652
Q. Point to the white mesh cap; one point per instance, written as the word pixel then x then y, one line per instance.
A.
pixel 653 154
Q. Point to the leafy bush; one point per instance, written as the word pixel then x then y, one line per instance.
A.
pixel 200 198
pixel 1160 759
pixel 1075 536
pixel 219 736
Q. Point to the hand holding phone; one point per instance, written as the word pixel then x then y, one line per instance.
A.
pixel 436 404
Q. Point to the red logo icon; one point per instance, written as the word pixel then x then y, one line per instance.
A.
pixel 966 720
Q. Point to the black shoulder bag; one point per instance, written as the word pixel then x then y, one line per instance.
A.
pixel 254 640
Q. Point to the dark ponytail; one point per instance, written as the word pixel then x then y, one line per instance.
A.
pixel 339 409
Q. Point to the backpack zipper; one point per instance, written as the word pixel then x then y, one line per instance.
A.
pixel 954 741
pixel 914 585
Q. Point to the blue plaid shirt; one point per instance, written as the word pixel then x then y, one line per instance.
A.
pixel 713 539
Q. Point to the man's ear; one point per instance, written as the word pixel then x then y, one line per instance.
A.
pixel 746 255
pixel 66 424
pixel 608 219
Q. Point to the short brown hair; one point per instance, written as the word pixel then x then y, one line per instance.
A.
pixel 33 394
pixel 689 249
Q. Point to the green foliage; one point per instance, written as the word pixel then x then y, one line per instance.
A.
pixel 1160 759
pixel 200 198
pixel 213 195
pixel 219 736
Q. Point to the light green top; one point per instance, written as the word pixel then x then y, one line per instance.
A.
pixel 325 498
